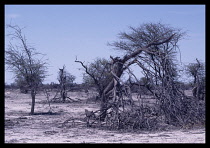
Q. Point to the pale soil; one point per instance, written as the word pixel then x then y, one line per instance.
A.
pixel 20 127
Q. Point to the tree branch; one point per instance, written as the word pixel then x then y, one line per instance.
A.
pixel 145 49
pixel 91 75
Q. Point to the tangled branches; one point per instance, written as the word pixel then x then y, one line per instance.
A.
pixel 180 110
pixel 152 47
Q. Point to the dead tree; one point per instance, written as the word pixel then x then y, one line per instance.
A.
pixel 65 81
pixel 62 81
pixel 120 65
pixel 152 48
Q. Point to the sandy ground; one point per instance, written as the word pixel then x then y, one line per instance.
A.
pixel 20 127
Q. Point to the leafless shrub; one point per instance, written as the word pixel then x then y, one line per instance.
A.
pixel 25 62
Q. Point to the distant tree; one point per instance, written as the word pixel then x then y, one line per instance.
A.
pixel 65 80
pixel 54 85
pixel 25 62
pixel 7 86
pixel 14 85
pixel 197 71
pixel 97 74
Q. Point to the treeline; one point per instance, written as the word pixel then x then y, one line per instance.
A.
pixel 87 86
pixel 52 86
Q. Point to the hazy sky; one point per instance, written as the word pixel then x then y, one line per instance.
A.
pixel 63 32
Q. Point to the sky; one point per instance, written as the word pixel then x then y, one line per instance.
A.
pixel 64 32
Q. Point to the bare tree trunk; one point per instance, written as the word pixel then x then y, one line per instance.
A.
pixel 33 94
pixel 103 108
pixel 63 92
pixel 62 81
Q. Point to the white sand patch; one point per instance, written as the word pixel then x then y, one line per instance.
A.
pixel 24 128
